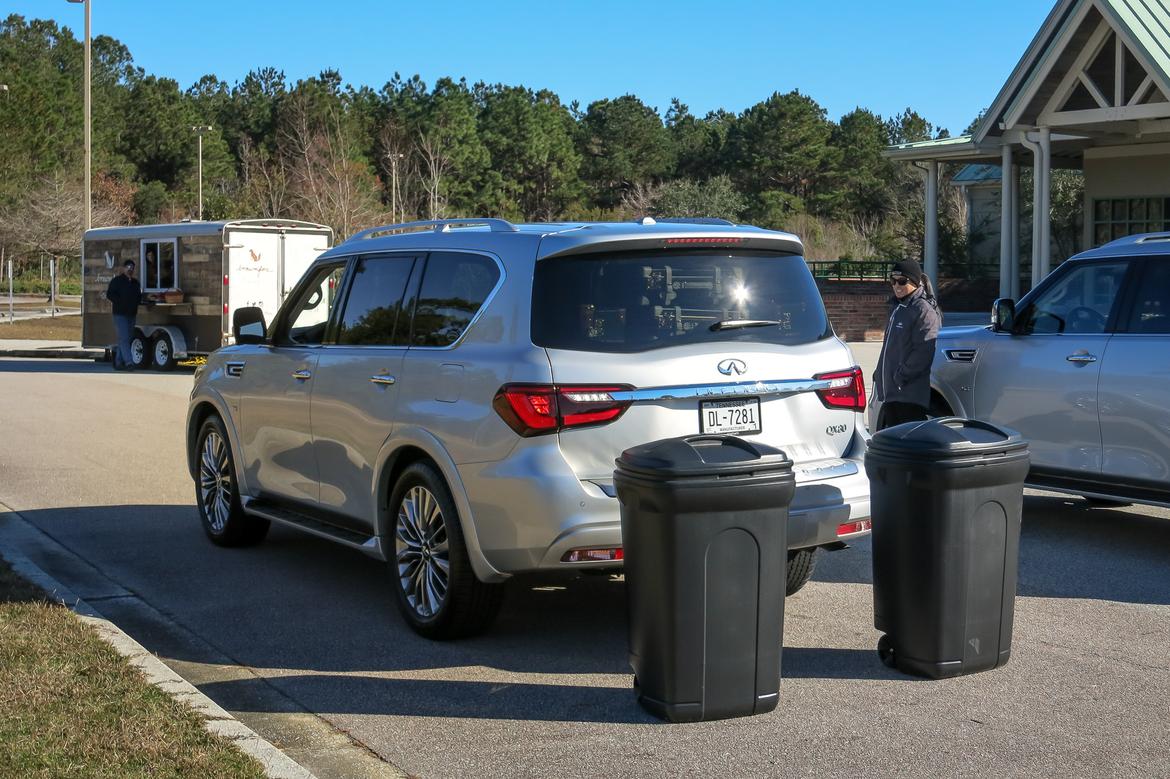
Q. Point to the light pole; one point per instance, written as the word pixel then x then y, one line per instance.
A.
pixel 88 119
pixel 394 158
pixel 200 130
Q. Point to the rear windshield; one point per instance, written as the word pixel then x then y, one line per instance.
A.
pixel 633 302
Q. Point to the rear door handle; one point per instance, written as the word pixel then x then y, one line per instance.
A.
pixel 302 375
pixel 383 379
pixel 1081 358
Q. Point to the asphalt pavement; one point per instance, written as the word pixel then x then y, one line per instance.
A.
pixel 300 639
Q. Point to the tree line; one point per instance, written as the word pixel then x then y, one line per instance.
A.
pixel 355 156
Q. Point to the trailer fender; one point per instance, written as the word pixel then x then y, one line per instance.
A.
pixel 178 340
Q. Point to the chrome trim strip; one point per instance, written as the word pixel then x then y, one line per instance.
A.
pixel 772 387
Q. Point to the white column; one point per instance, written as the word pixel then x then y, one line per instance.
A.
pixel 1005 224
pixel 1034 147
pixel 930 250
pixel 1015 272
pixel 1046 199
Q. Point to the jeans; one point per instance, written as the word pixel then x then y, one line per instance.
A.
pixel 125 327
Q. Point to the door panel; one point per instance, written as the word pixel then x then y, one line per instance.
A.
pixel 1135 384
pixel 1042 379
pixel 356 392
pixel 1028 384
pixel 274 415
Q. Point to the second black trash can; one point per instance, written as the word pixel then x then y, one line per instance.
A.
pixel 947 496
pixel 704 526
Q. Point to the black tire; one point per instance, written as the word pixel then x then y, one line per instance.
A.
pixel 1105 503
pixel 217 494
pixel 885 650
pixel 139 350
pixel 427 537
pixel 801 563
pixel 162 352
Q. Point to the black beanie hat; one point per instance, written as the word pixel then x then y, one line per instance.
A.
pixel 910 269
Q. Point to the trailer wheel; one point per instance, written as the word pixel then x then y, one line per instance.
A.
pixel 139 350
pixel 162 352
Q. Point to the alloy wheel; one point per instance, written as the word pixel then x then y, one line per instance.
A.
pixel 215 482
pixel 420 546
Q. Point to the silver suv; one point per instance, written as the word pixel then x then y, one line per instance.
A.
pixel 1081 367
pixel 450 397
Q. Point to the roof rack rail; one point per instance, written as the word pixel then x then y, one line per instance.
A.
pixel 696 220
pixel 437 225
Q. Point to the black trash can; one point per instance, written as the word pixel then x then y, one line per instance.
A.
pixel 704 526
pixel 946 499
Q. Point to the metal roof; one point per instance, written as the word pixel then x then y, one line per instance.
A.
pixel 979 174
pixel 184 229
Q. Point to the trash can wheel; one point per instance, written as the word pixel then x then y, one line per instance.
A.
pixel 885 650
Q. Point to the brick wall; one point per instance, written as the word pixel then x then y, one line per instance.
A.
pixel 857 309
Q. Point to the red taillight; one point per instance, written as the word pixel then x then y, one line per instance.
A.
pixel 225 306
pixel 847 389
pixel 593 555
pixel 534 409
pixel 853 528
pixel 225 278
pixel 703 241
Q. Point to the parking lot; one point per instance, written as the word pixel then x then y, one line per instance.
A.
pixel 301 640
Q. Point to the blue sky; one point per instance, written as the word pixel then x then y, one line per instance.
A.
pixel 945 59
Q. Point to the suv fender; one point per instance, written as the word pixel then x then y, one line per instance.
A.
pixel 410 436
pixel 210 397
pixel 950 397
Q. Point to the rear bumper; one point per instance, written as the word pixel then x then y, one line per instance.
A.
pixel 531 511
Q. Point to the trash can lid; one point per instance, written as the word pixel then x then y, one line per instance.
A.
pixel 947 437
pixel 702 455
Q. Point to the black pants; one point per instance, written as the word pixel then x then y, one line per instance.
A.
pixel 896 413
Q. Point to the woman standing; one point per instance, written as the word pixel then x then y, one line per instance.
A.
pixel 902 381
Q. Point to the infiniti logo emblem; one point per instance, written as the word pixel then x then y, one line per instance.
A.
pixel 730 366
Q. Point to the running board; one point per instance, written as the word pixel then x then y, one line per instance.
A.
pixel 366 544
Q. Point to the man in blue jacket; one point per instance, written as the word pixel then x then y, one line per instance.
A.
pixel 125 293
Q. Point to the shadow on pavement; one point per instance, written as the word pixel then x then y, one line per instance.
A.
pixel 326 614
pixel 1067 550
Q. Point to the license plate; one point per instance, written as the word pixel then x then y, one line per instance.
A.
pixel 730 416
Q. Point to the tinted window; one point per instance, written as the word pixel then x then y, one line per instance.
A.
pixel 375 301
pixel 1151 305
pixel 454 287
pixel 1080 301
pixel 635 302
pixel 309 316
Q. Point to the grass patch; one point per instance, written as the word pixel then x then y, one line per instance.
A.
pixel 71 706
pixel 61 328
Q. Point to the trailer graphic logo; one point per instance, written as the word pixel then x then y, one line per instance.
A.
pixel 254 255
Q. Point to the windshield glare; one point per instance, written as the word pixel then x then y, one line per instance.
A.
pixel 634 302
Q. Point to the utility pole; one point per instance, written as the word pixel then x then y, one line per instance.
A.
pixel 200 130
pixel 88 118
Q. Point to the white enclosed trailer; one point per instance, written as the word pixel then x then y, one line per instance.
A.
pixel 200 273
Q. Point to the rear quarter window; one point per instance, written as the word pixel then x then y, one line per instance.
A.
pixel 634 302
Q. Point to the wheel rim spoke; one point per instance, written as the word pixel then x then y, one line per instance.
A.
pixel 215 482
pixel 421 551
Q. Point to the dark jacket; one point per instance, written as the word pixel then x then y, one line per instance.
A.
pixel 125 293
pixel 903 369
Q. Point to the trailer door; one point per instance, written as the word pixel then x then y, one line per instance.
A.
pixel 298 250
pixel 253 272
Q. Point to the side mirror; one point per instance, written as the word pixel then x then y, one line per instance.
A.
pixel 248 325
pixel 1003 315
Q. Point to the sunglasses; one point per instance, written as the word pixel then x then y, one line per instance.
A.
pixel 901 281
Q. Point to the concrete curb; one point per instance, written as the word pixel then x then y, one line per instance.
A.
pixel 217 720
